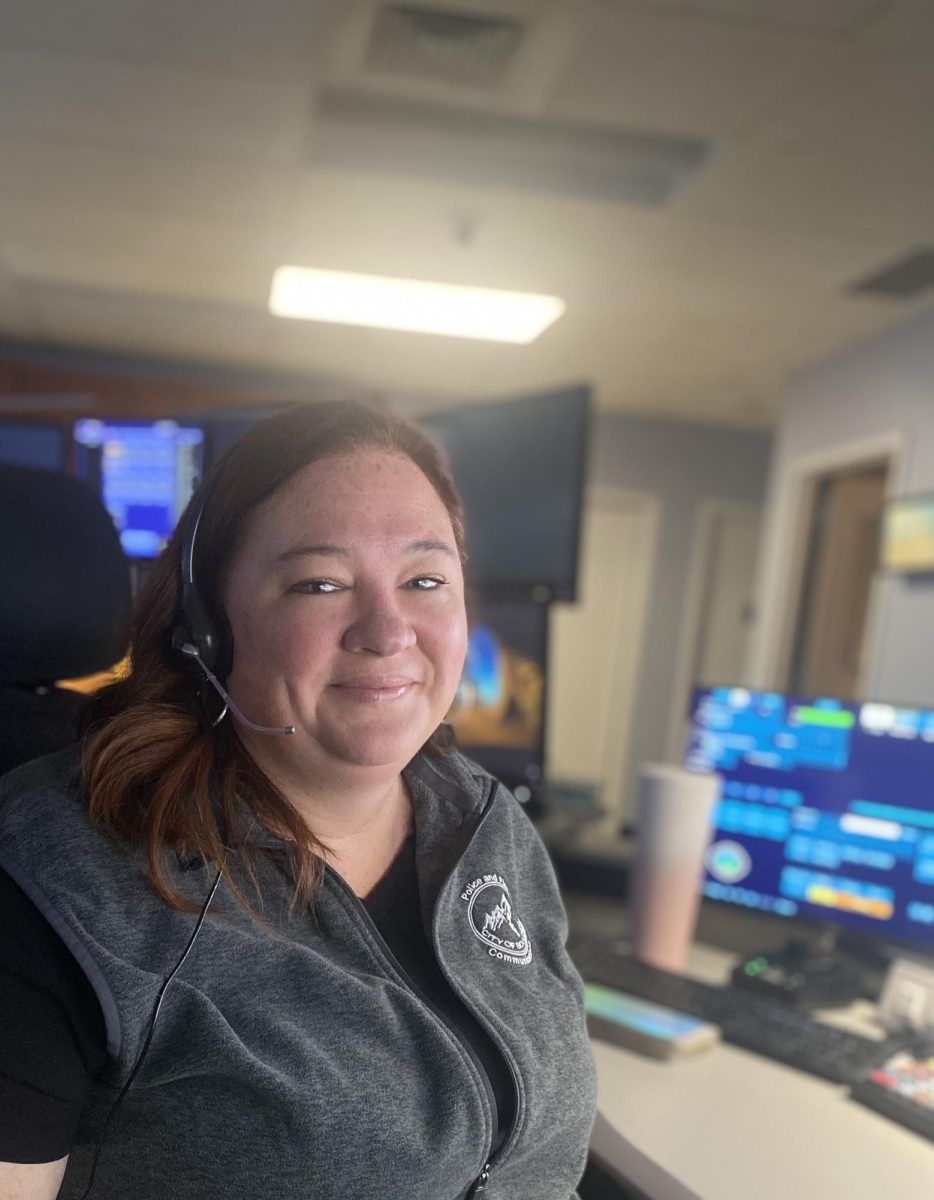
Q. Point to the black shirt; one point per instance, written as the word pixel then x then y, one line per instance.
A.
pixel 52 1039
pixel 52 1036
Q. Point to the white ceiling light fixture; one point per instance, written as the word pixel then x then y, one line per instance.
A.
pixel 416 306
pixel 356 131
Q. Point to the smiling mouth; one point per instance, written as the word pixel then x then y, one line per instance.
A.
pixel 375 692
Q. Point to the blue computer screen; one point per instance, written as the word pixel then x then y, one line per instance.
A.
pixel 145 472
pixel 32 444
pixel 826 810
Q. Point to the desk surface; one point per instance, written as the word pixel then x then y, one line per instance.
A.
pixel 732 1125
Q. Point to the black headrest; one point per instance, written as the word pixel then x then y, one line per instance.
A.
pixel 64 580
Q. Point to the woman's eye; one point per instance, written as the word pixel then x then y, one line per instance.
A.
pixel 426 583
pixel 315 587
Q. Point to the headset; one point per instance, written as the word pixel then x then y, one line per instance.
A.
pixel 195 634
pixel 197 637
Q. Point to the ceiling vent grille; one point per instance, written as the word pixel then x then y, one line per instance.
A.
pixel 432 43
pixel 905 279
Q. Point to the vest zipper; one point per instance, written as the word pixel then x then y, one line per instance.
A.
pixel 413 987
pixel 479 1184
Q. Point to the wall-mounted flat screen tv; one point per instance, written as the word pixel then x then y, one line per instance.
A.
pixel 145 472
pixel 519 466
pixel 908 535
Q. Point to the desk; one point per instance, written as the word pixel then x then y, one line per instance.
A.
pixel 731 1125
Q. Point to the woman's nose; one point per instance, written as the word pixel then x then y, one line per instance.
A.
pixel 380 628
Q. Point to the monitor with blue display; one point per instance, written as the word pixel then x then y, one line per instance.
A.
pixel 826 810
pixel 498 714
pixel 145 473
pixel 32 444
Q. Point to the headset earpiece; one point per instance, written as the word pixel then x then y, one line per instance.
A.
pixel 194 625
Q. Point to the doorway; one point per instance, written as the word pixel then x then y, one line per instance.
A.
pixel 595 646
pixel 719 612
pixel 829 641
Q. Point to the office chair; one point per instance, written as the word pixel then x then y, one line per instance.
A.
pixel 64 606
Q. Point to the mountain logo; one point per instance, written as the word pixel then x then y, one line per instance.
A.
pixel 492 919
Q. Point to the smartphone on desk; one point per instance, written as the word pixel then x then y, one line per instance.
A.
pixel 643 1026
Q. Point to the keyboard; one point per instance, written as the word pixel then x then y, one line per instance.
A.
pixel 758 1023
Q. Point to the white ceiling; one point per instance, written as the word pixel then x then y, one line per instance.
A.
pixel 157 164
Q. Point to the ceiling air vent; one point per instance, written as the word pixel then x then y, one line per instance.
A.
pixel 904 279
pixel 466 48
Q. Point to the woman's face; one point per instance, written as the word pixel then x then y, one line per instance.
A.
pixel 346 601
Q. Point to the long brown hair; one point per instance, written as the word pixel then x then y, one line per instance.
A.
pixel 157 773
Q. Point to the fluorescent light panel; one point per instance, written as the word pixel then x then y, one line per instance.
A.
pixel 410 304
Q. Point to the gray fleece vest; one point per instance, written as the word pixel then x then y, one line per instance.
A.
pixel 304 1065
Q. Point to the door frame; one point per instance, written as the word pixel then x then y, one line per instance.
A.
pixel 780 592
pixel 626 652
pixel 626 671
pixel 692 612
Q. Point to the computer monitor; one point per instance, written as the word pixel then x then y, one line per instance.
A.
pixel 498 713
pixel 145 472
pixel 224 428
pixel 519 466
pixel 32 444
pixel 826 809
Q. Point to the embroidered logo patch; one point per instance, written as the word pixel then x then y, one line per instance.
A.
pixel 489 911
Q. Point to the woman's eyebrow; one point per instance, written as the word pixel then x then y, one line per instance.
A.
pixel 307 552
pixel 423 546
pixel 429 544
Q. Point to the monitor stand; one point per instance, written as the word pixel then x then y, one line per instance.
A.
pixel 804 973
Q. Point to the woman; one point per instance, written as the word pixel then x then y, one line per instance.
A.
pixel 377 1000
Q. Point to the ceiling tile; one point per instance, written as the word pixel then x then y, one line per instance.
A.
pixel 903 27
pixel 128 252
pixel 166 326
pixel 640 70
pixel 823 15
pixel 142 183
pixel 271 39
pixel 152 107
pixel 851 151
